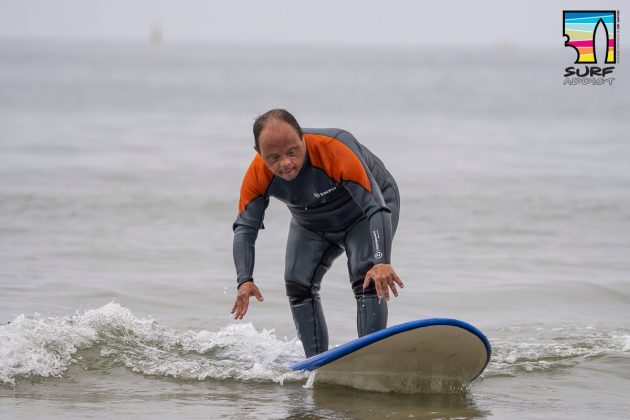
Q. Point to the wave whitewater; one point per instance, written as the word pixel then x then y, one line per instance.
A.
pixel 34 346
pixel 110 336
pixel 539 349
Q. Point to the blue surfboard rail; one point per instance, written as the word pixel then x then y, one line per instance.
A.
pixel 321 359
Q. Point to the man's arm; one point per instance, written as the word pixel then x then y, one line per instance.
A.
pixel 244 252
pixel 245 228
pixel 252 204
pixel 379 218
pixel 381 232
pixel 367 194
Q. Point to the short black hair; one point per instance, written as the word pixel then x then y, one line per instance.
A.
pixel 274 114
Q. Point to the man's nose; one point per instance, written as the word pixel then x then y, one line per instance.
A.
pixel 285 161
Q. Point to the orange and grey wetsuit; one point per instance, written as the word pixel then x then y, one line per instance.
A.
pixel 342 199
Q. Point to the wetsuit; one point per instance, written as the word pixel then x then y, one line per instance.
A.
pixel 343 198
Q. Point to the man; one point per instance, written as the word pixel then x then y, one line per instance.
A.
pixel 341 197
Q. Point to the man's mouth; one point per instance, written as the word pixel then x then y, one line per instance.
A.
pixel 290 172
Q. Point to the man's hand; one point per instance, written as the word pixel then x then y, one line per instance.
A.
pixel 385 278
pixel 245 291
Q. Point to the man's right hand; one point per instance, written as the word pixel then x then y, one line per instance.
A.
pixel 245 291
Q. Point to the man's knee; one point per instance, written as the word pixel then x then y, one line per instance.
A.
pixel 301 285
pixel 303 279
pixel 297 292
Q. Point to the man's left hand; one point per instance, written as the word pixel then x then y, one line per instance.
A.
pixel 385 278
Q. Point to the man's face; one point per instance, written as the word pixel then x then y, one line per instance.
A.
pixel 282 149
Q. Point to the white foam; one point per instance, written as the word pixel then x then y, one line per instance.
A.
pixel 42 347
pixel 38 346
pixel 556 347
pixel 35 346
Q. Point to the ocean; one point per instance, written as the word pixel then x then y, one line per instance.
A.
pixel 120 170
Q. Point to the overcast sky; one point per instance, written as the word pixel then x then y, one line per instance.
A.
pixel 532 23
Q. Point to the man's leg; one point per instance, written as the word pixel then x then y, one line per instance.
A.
pixel 308 257
pixel 371 314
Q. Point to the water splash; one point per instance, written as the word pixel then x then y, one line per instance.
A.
pixel 541 349
pixel 36 346
pixel 111 336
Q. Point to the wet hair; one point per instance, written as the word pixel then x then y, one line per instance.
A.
pixel 274 114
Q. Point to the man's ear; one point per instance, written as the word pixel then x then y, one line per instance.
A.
pixel 256 149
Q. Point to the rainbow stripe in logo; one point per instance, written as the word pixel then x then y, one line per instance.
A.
pixel 579 28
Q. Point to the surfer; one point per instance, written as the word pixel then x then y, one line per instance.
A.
pixel 341 197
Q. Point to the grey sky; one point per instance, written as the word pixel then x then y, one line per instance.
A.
pixel 533 23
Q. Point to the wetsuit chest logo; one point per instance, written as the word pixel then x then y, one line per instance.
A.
pixel 324 193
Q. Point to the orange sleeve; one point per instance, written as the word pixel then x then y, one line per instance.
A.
pixel 336 159
pixel 255 182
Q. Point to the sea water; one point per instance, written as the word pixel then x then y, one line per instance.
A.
pixel 120 169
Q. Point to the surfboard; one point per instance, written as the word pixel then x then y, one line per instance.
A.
pixel 428 355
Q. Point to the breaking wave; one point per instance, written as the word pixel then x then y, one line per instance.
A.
pixel 113 336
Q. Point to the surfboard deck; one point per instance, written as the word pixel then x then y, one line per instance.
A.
pixel 428 355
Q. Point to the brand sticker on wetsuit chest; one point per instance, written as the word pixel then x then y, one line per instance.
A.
pixel 324 193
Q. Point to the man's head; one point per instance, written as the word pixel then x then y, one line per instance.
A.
pixel 280 143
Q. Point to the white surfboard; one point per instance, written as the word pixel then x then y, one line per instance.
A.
pixel 429 355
